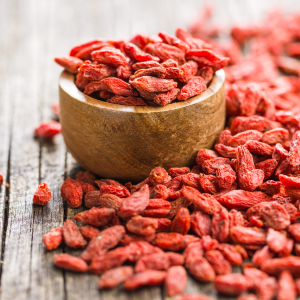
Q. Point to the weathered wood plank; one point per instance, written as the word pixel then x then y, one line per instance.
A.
pixel 24 168
pixel 5 121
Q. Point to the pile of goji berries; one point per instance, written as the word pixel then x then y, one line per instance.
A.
pixel 239 201
pixel 144 71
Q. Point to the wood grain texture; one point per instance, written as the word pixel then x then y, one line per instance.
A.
pixel 33 32
pixel 101 135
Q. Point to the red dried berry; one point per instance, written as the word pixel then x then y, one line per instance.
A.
pixel 48 130
pixel 42 195
pixel 69 262
pixel 113 277
pixel 53 238
pixel 175 281
pixel 72 236
pixel 71 64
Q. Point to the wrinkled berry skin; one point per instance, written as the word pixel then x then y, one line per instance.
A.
pixel 71 191
pixel 42 195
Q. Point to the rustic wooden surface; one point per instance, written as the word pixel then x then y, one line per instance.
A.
pixel 32 33
pixel 125 143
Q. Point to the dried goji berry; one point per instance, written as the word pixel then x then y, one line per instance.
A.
pixel 69 262
pixel 109 260
pixel 206 73
pixel 230 254
pixel 130 101
pixel 262 255
pixel 160 191
pixel 124 72
pixel 170 63
pixel 193 87
pixel 294 232
pixel 72 236
pixel 159 72
pixel 165 52
pixel 194 43
pixel 205 154
pixel 92 199
pixel 42 195
pixel 148 277
pixel 106 239
pixel 248 177
pixel 210 166
pixel 270 187
pixel 137 54
pixel 220 225
pixel 218 262
pixel 142 226
pixel 231 284
pixel 145 65
pixel 48 130
pixel 242 137
pixel 200 223
pixel 268 166
pixel 286 286
pixel 235 218
pixel 130 238
pixel 109 55
pixel 172 241
pixel 95 71
pixel 204 202
pixel 88 231
pixel 175 281
pixel 182 221
pixel 276 240
pixel 53 238
pixel 226 151
pixel 86 187
pixel 157 208
pixel 247 236
pixel 140 249
pixel 207 58
pixel 113 277
pixel 225 176
pixel 167 97
pixel 110 84
pixel 164 225
pixel 110 201
pixel 96 216
pixel 71 64
pixel 202 270
pixel 259 148
pixel 274 267
pixel 135 204
pixel 240 199
pixel 175 41
pixel 208 183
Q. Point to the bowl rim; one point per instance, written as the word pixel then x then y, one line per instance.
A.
pixel 67 84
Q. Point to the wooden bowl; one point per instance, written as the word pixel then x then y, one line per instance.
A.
pixel 126 142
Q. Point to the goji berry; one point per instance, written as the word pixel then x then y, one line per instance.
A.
pixel 209 183
pixel 247 236
pixel 170 63
pixel 53 238
pixel 230 254
pixel 206 73
pixel 88 231
pixel 92 199
pixel 262 255
pixel 193 42
pixel 200 223
pixel 231 284
pixel 69 262
pixel 145 65
pixel 96 216
pixel 181 222
pixel 165 52
pixel 95 71
pixel 175 41
pixel 207 58
pixel 286 286
pixel 130 101
pixel 164 225
pixel 157 208
pixel 130 238
pixel 109 260
pixel 270 187
pixel 106 239
pixel 135 204
pixel 193 87
pixel 110 201
pixel 142 226
pixel 167 97
pixel 202 270
pixel 148 277
pixel 205 154
pixel 268 166
pixel 191 179
pixel 71 64
pixel 137 54
pixel 42 195
pixel 48 130
pixel 220 225
pixel 140 249
pixel 226 151
pixel 109 55
pixel 175 281
pixel 113 277
pixel 72 236
pixel 160 191
pixel 86 187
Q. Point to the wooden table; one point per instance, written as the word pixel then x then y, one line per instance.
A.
pixel 33 32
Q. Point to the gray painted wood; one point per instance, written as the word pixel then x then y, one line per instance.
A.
pixel 33 32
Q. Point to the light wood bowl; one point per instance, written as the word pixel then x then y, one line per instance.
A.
pixel 126 142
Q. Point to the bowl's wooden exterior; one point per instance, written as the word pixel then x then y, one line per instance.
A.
pixel 126 142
